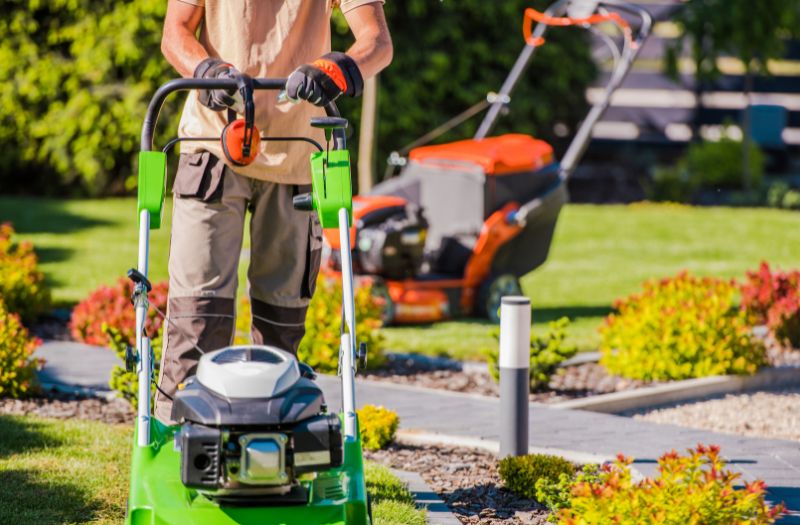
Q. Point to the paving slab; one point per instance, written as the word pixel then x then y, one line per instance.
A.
pixel 476 418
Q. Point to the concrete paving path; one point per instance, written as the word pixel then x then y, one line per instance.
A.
pixel 466 417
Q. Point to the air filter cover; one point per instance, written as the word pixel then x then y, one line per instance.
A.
pixel 248 371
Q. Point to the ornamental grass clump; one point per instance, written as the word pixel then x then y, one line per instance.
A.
pixel 378 426
pixel 17 365
pixel 773 299
pixel 679 328
pixel 522 474
pixel 22 286
pixel 691 489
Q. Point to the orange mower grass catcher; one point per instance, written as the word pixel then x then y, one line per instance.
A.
pixel 462 222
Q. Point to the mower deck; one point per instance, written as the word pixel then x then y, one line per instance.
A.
pixel 157 496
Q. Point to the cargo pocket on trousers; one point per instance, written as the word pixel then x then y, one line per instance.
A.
pixel 200 176
pixel 313 257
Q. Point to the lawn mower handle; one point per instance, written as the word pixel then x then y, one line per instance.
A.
pixel 183 84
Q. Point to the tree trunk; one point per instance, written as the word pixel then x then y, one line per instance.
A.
pixel 366 142
pixel 747 124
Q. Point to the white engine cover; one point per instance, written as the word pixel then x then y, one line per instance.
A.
pixel 248 371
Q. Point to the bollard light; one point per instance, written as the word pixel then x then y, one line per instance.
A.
pixel 515 356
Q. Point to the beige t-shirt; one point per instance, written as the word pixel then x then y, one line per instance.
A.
pixel 265 38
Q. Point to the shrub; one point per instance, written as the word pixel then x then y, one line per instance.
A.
pixel 791 201
pixel 547 353
pixel 712 165
pixel 719 164
pixel 89 66
pixel 110 307
pixel 773 298
pixel 320 346
pixel 378 426
pixel 22 285
pixel 695 488
pixel 125 383
pixel 556 495
pixel 521 474
pixel 17 365
pixel 679 328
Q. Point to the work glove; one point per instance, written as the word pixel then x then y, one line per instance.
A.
pixel 324 80
pixel 217 99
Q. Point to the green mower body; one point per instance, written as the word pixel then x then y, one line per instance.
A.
pixel 256 444
pixel 157 496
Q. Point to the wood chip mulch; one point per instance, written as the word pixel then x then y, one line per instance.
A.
pixel 467 481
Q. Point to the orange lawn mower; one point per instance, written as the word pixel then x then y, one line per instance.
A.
pixel 462 222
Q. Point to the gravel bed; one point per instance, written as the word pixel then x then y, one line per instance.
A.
pixel 62 406
pixel 571 382
pixel 774 415
pixel 467 480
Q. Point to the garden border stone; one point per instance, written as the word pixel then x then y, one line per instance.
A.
pixel 683 391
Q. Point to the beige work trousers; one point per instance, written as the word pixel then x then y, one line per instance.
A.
pixel 208 218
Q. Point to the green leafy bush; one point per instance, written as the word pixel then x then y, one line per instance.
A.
pixel 719 164
pixel 521 474
pixel 320 346
pixel 556 495
pixel 679 328
pixel 378 426
pixel 79 75
pixel 710 165
pixel 17 365
pixel 22 286
pixel 696 488
pixel 125 383
pixel 547 353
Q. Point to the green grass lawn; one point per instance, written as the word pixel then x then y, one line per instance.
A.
pixel 600 253
pixel 56 472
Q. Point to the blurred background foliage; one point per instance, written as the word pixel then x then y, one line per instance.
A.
pixel 82 72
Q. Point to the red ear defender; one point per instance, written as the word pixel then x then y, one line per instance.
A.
pixel 239 148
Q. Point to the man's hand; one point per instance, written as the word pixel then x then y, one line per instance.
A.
pixel 325 80
pixel 216 99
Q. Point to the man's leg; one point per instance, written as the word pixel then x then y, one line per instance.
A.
pixel 284 264
pixel 207 230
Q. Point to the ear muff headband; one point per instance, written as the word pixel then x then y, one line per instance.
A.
pixel 240 138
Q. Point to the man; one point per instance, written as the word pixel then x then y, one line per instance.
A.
pixel 259 38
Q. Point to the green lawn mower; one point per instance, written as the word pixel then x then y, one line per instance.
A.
pixel 255 443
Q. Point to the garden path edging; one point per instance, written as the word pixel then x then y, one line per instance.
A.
pixel 438 513
pixel 683 391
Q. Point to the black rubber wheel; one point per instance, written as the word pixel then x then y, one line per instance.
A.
pixel 491 294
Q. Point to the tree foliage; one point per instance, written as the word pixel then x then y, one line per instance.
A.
pixel 753 32
pixel 450 54
pixel 79 74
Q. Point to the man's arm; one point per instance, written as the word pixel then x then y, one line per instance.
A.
pixel 179 42
pixel 373 49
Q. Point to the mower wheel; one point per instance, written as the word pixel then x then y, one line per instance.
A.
pixel 491 294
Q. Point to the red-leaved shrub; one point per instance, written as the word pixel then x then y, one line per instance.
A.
pixel 773 298
pixel 111 306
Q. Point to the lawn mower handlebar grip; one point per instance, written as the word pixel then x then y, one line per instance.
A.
pixel 303 202
pixel 184 84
